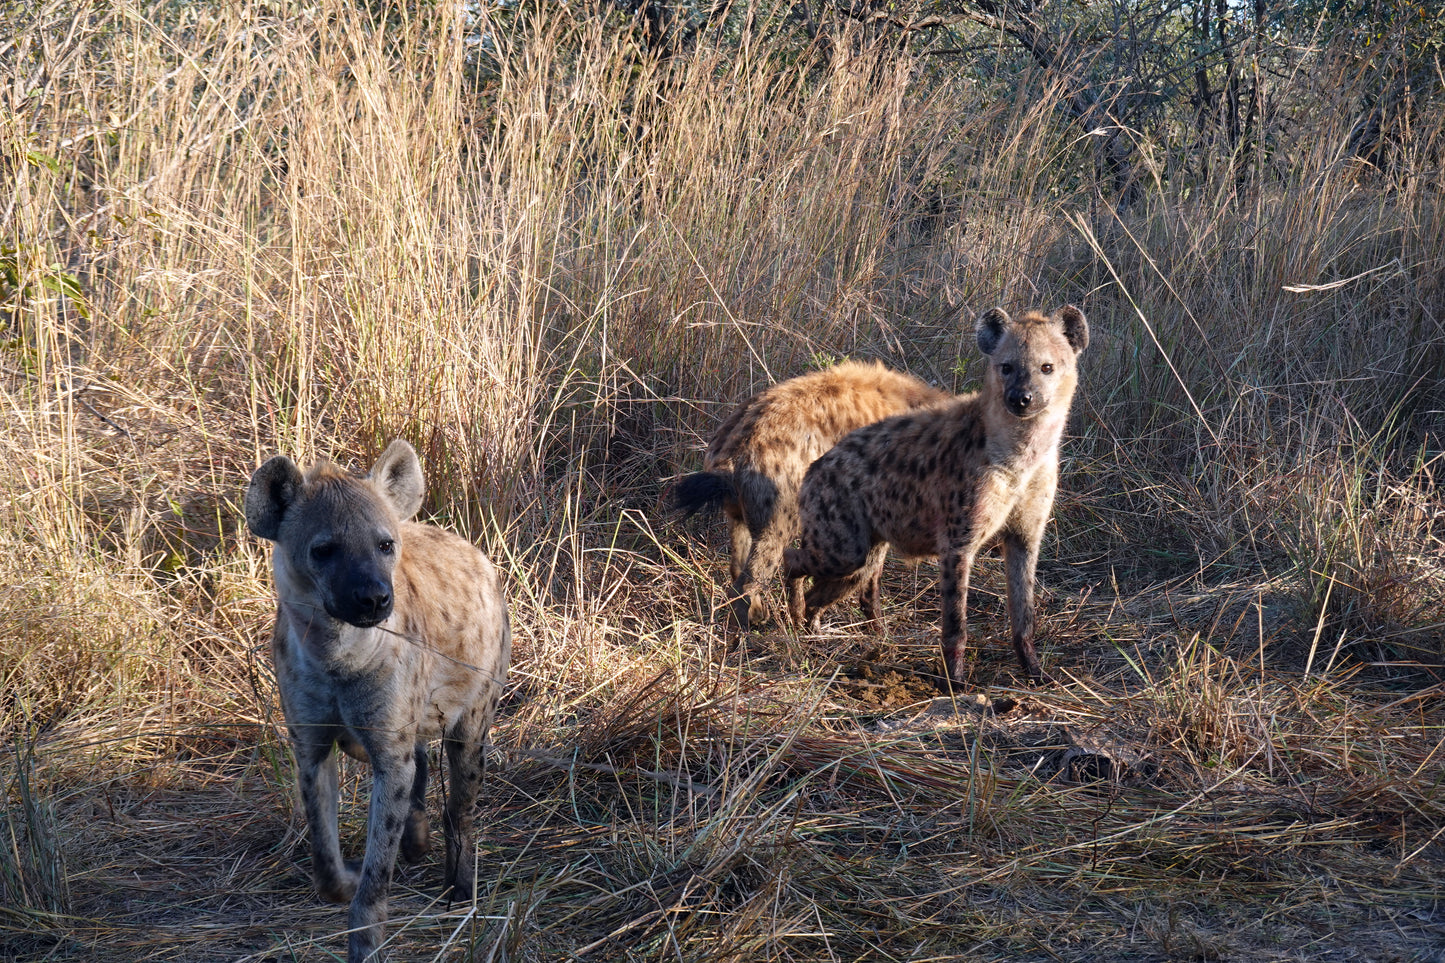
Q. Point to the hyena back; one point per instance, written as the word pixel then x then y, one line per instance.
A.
pixel 388 633
pixel 948 481
pixel 756 459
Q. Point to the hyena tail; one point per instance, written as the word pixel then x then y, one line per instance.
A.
pixel 703 491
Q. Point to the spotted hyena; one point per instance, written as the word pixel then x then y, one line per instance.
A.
pixel 948 481
pixel 388 633
pixel 757 457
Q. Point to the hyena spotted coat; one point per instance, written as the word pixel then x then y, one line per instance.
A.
pixel 388 633
pixel 758 455
pixel 948 481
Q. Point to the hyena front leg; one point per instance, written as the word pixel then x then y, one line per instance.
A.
pixel 393 774
pixel 954 565
pixel 1023 558
pixel 415 841
pixel 466 764
pixel 314 748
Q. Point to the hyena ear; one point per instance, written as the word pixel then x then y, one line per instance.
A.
pixel 990 328
pixel 397 474
pixel 274 486
pixel 1076 328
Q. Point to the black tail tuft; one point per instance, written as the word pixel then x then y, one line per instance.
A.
pixel 701 491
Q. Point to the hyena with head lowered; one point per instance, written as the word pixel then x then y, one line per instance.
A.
pixel 389 633
pixel 948 481
pixel 756 460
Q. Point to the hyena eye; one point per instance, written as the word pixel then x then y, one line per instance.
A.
pixel 1046 368
pixel 386 546
pixel 1005 369
pixel 320 553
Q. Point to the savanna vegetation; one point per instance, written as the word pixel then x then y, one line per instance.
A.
pixel 550 244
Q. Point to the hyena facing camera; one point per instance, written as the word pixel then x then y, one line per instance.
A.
pixel 948 481
pixel 388 633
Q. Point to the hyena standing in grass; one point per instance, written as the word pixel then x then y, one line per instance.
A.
pixel 756 460
pixel 388 633
pixel 948 481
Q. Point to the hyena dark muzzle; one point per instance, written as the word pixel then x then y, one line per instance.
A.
pixel 350 562
pixel 355 584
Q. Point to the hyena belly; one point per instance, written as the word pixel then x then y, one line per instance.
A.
pixel 879 488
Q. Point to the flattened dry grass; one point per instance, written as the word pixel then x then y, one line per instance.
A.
pixel 744 815
pixel 238 230
pixel 1164 802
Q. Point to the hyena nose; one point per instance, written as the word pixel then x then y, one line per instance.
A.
pixel 1019 400
pixel 373 603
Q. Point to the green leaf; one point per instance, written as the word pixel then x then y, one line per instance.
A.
pixel 43 160
pixel 69 288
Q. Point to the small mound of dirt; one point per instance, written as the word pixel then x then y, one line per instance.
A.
pixel 888 687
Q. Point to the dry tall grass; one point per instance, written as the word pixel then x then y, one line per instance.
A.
pixel 233 229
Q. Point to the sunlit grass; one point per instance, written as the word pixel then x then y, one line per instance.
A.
pixel 234 230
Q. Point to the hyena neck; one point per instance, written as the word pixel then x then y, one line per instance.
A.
pixel 1024 443
pixel 329 643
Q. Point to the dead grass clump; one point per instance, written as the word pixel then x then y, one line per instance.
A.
pixel 33 877
pixel 70 638
pixel 1372 544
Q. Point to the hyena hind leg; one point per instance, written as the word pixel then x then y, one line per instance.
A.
pixel 745 606
pixel 740 536
pixel 766 513
pixel 828 588
pixel 869 596
pixel 793 575
pixel 766 558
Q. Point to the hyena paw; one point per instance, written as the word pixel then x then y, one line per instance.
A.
pixel 342 887
pixel 416 839
pixel 759 613
pixel 955 664
pixel 740 614
pixel 461 881
pixel 1038 677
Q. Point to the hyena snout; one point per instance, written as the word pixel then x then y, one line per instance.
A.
pixel 1019 400
pixel 369 604
pixel 362 599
